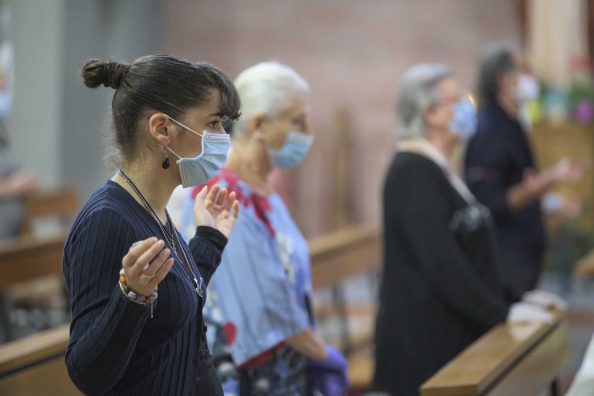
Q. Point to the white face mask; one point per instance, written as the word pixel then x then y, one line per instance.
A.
pixel 464 122
pixel 201 169
pixel 5 104
pixel 293 152
pixel 527 88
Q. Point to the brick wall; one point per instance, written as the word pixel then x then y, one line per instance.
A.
pixel 353 54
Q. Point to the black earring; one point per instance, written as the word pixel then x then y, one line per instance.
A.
pixel 165 164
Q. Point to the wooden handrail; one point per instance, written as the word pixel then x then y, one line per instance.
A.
pixel 510 357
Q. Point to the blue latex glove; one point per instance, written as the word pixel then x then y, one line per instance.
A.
pixel 329 376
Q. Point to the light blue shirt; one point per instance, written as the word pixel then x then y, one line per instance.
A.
pixel 262 287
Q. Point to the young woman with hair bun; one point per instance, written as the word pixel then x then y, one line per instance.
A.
pixel 136 288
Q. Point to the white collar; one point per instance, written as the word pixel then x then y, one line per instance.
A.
pixel 426 149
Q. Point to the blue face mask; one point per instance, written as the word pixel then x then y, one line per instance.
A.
pixel 5 104
pixel 464 122
pixel 293 152
pixel 201 169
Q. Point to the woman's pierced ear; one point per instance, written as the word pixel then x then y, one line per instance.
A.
pixel 165 164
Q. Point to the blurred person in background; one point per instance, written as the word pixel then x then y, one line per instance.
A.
pixel 500 169
pixel 15 182
pixel 440 287
pixel 260 299
pixel 136 288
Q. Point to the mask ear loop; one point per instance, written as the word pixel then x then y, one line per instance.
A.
pixel 168 148
pixel 179 157
pixel 174 153
pixel 183 126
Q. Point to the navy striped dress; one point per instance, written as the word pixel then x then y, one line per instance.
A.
pixel 115 348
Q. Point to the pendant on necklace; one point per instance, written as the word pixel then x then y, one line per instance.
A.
pixel 199 287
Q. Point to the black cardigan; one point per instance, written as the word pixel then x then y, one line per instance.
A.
pixel 497 157
pixel 440 288
pixel 115 348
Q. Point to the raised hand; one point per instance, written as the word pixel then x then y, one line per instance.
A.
pixel 570 171
pixel 536 184
pixel 146 264
pixel 216 208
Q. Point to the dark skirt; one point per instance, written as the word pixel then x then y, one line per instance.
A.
pixel 207 380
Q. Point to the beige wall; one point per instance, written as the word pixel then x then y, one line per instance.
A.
pixel 34 123
pixel 353 54
pixel 56 126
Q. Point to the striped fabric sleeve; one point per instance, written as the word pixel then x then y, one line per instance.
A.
pixel 207 247
pixel 105 324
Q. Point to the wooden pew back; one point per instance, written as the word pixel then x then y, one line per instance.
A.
pixel 343 254
pixel 35 365
pixel 29 258
pixel 508 360
pixel 519 359
pixel 62 204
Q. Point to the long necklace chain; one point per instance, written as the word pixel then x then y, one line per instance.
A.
pixel 171 237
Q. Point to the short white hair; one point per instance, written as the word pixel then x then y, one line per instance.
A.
pixel 418 91
pixel 266 88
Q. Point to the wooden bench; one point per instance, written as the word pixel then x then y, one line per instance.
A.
pixel 28 258
pixel 337 257
pixel 519 359
pixel 340 255
pixel 37 252
pixel 23 260
pixel 508 360
pixel 35 365
pixel 61 204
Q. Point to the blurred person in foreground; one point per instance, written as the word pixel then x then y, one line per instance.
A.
pixel 16 183
pixel 440 287
pixel 500 169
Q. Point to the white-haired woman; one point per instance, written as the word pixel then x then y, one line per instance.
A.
pixel 440 288
pixel 260 299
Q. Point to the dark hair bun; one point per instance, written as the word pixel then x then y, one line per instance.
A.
pixel 96 72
